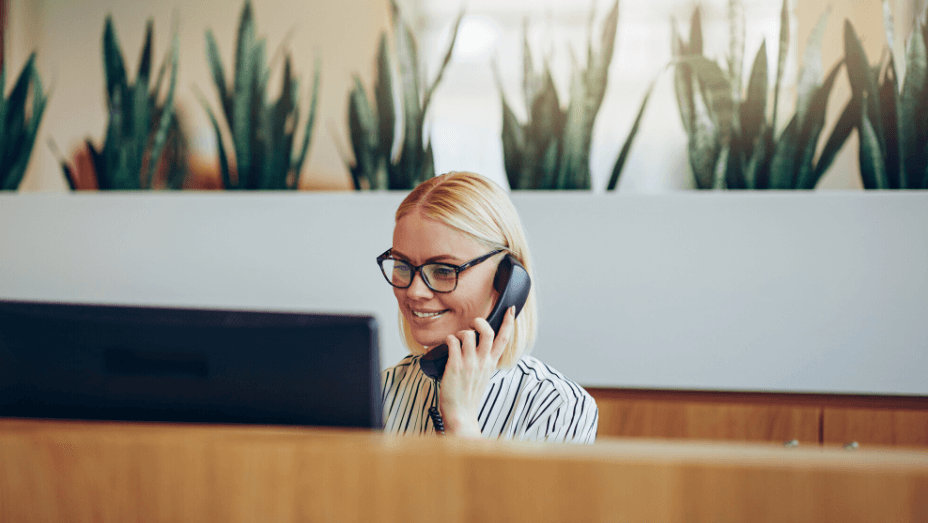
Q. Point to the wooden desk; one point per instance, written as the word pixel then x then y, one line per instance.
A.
pixel 74 471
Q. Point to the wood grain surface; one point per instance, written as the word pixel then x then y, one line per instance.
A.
pixel 116 472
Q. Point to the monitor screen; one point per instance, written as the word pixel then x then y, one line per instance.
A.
pixel 130 363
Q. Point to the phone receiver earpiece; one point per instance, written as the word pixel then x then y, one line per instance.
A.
pixel 513 284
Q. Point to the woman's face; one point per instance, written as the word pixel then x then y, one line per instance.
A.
pixel 431 315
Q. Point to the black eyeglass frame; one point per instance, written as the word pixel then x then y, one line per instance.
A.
pixel 388 255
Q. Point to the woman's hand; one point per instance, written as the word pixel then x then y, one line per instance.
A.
pixel 468 372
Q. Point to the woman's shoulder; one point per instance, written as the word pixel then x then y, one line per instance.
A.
pixel 532 372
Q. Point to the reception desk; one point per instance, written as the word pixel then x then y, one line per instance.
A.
pixel 118 472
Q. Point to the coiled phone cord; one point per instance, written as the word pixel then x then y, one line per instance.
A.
pixel 433 410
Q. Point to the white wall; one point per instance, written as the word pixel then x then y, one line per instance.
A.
pixel 821 292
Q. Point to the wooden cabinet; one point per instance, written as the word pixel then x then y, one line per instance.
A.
pixel 894 427
pixel 773 417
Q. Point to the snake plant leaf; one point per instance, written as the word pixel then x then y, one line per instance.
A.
pixel 383 94
pixel 695 43
pixel 531 81
pixel 310 121
pixel 813 123
pixel 114 67
pixel 889 101
pixel 812 73
pixel 626 147
pixel 219 76
pixel 587 90
pixel 428 167
pixel 513 143
pixel 243 99
pixel 862 80
pixel 363 128
pixel 703 145
pixel 408 56
pixel 783 163
pixel 736 37
pixel 913 113
pixel 167 113
pixel 15 117
pixel 755 173
pixel 847 122
pixel 99 166
pixel 890 30
pixel 872 166
pixel 781 62
pixel 3 111
pixel 753 111
pixel 223 157
pixel 721 167
pixel 682 81
pixel 716 91
pixel 444 63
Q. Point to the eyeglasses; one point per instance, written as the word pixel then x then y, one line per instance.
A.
pixel 440 277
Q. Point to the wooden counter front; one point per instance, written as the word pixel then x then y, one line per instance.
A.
pixel 118 472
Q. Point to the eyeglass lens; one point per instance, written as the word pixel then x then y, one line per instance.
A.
pixel 437 276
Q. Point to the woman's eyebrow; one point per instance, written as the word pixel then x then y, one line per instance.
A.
pixel 441 258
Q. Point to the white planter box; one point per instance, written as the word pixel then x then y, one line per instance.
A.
pixel 822 291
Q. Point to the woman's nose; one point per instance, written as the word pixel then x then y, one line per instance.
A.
pixel 418 288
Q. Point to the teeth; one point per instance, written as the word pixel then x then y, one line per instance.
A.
pixel 427 314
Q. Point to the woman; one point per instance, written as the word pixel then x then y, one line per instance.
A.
pixel 451 233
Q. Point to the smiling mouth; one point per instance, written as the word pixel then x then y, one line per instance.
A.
pixel 418 314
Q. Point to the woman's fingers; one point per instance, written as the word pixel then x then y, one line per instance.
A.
pixel 505 334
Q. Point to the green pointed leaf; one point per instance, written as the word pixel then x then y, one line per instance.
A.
pixel 850 116
pixel 219 75
pixel 144 73
pixel 862 81
pixel 889 100
pixel 872 166
pixel 813 124
pixel 408 56
pixel 695 45
pixel 114 67
pixel 245 99
pixel 913 110
pixel 736 36
pixel 757 161
pixel 812 73
pixel 626 147
pixel 683 83
pixel 223 158
pixel 167 113
pixel 444 63
pixel 513 138
pixel 704 143
pixel 754 108
pixel 715 88
pixel 781 62
pixel 310 121
pixel 889 28
pixel 362 125
pixel 531 82
pixel 784 163
pixel 383 93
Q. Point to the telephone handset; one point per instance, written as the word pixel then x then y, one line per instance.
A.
pixel 512 283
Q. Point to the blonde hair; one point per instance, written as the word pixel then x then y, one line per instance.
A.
pixel 482 210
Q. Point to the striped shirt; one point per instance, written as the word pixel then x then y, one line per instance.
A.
pixel 530 401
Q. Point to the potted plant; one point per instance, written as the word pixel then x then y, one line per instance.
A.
pixel 144 147
pixel 266 151
pixel 732 143
pixel 371 125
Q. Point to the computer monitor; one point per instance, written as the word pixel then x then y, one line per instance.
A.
pixel 131 363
